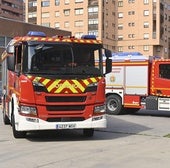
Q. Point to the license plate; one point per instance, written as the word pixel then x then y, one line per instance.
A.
pixel 65 126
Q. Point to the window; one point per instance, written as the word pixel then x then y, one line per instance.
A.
pixel 146 12
pixel 79 11
pixel 93 32
pixel 45 3
pixel 32 15
pixel 146 48
pixel 93 9
pixel 120 37
pixel 164 70
pixel 131 35
pixel 79 1
pixel 120 15
pixel 93 21
pixel 131 47
pixel 46 24
pixel 131 1
pixel 66 2
pixel 67 12
pixel 146 36
pixel 45 15
pixel 146 24
pixel 120 49
pixel 120 3
pixel 78 23
pixel 146 2
pixel 57 13
pixel 2 41
pixel 66 24
pixel 120 26
pixel 131 12
pixel 131 24
pixel 57 25
pixel 57 2
pixel 32 4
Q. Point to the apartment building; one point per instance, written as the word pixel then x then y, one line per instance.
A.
pixel 78 16
pixel 12 9
pixel 123 25
pixel 144 26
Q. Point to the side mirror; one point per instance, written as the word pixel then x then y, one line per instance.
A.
pixel 108 55
pixel 11 63
pixel 108 65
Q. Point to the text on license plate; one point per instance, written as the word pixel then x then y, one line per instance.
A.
pixel 65 126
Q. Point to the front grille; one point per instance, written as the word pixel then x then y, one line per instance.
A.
pixel 65 108
pixel 65 99
pixel 65 119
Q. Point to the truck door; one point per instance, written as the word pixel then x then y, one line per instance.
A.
pixel 160 78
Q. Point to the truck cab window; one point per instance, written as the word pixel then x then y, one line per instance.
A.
pixel 18 54
pixel 164 71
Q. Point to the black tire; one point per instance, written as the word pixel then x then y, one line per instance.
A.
pixel 88 132
pixel 114 105
pixel 17 134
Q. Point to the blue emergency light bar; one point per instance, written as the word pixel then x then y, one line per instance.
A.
pixel 93 37
pixel 36 34
pixel 128 56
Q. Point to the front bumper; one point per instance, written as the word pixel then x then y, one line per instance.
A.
pixel 32 124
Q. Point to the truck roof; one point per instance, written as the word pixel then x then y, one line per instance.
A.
pixel 128 56
pixel 55 39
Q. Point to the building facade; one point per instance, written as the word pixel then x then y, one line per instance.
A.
pixel 144 26
pixel 12 9
pixel 78 16
pixel 123 25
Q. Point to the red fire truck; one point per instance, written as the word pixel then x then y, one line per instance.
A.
pixel 137 82
pixel 52 83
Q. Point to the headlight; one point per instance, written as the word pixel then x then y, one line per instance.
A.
pixel 39 87
pixel 92 87
pixel 100 109
pixel 36 83
pixel 27 110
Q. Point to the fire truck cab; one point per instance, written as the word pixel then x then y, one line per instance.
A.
pixel 52 83
pixel 136 82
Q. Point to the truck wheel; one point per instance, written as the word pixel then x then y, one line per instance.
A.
pixel 88 132
pixel 114 105
pixel 17 134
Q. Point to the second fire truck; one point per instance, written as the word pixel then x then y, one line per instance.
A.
pixel 137 82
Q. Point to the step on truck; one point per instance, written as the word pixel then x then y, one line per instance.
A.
pixel 52 83
pixel 137 82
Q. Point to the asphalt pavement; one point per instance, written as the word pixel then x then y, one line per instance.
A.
pixel 130 141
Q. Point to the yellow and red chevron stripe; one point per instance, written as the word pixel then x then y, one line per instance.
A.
pixel 56 39
pixel 66 86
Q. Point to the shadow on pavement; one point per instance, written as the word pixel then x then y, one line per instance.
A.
pixel 154 113
pixel 117 128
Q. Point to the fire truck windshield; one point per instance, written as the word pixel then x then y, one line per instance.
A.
pixel 62 59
